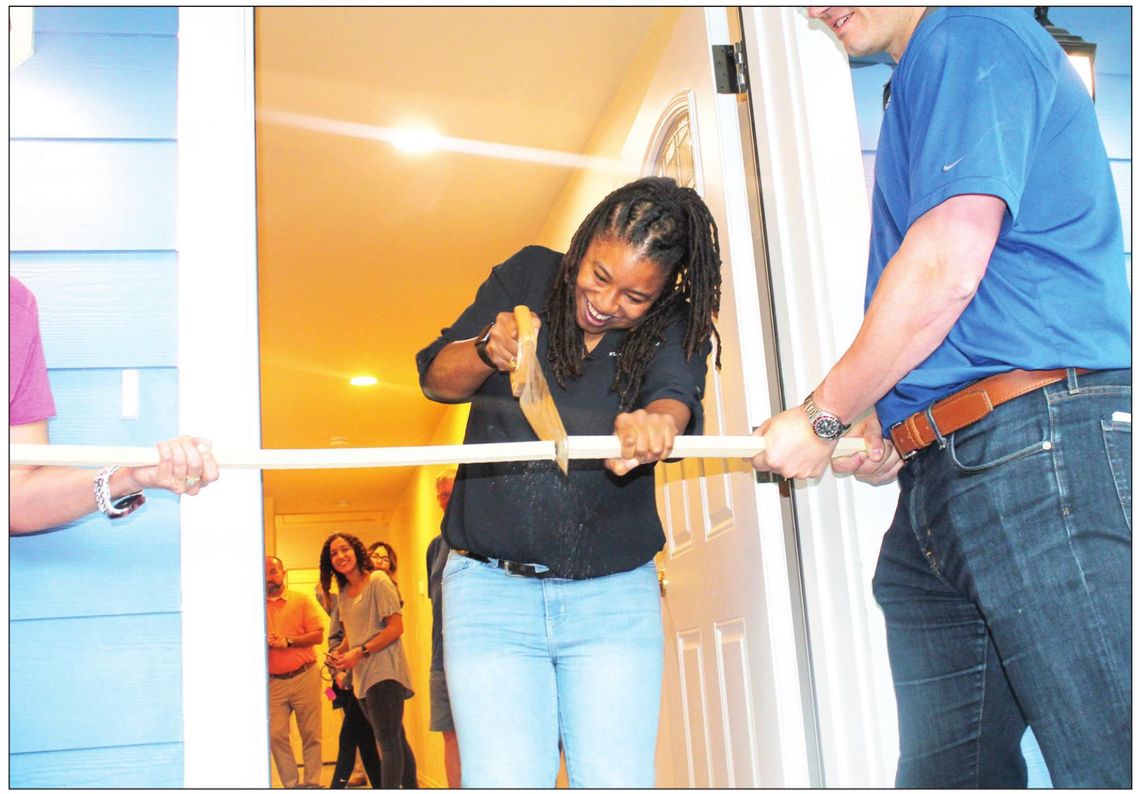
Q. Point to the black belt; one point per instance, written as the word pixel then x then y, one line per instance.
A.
pixel 512 568
pixel 293 673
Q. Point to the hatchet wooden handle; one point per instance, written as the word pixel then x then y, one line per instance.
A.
pixel 525 323
pixel 525 357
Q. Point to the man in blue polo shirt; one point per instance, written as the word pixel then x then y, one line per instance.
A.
pixel 996 350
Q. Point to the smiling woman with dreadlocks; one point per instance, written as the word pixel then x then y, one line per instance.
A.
pixel 552 622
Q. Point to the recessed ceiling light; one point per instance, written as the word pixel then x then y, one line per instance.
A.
pixel 364 380
pixel 338 441
pixel 416 140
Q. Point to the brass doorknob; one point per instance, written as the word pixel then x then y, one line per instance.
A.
pixel 661 581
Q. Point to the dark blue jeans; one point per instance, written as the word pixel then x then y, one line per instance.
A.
pixel 1006 583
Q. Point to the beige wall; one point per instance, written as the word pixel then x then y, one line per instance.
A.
pixel 414 523
pixel 584 189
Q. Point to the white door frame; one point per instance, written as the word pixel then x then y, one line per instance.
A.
pixel 817 223
pixel 780 602
pixel 224 700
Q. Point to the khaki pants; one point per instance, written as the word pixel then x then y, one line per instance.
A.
pixel 300 694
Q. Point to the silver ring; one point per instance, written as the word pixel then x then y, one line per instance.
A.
pixel 192 481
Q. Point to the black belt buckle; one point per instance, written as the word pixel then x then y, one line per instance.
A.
pixel 519 569
pixel 509 567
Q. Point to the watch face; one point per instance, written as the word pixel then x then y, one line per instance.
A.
pixel 827 427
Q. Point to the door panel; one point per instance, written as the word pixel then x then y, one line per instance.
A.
pixel 718 668
pixel 691 678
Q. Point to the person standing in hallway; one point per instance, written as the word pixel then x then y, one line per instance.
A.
pixel 373 650
pixel 996 349
pixel 441 719
pixel 383 558
pixel 355 731
pixel 294 628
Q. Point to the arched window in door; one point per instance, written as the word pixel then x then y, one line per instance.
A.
pixel 673 149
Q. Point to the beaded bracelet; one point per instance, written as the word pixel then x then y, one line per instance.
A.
pixel 124 505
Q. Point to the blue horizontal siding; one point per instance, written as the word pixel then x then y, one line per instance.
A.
pixel 89 407
pixel 1109 27
pixel 92 196
pixel 95 682
pixel 140 766
pixel 868 84
pixel 1122 176
pixel 1114 114
pixel 95 87
pixel 115 309
pixel 95 686
pixel 104 19
pixel 97 567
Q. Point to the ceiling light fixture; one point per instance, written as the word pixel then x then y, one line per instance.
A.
pixel 504 151
pixel 364 380
pixel 416 140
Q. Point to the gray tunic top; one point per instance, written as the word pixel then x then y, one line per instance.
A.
pixel 364 616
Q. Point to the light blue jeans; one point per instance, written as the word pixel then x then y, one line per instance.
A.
pixel 532 662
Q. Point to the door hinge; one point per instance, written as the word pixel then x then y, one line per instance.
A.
pixel 783 484
pixel 730 68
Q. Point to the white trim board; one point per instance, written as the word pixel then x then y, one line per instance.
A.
pixel 225 713
pixel 818 225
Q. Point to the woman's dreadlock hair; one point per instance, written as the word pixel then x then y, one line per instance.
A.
pixel 670 226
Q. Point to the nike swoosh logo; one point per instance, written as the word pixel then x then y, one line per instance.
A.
pixel 948 166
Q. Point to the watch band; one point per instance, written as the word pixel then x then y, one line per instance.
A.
pixel 481 344
pixel 124 505
pixel 824 424
pixel 364 652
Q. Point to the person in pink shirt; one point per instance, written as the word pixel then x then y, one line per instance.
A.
pixel 42 497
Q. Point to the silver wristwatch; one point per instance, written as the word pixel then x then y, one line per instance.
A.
pixel 825 424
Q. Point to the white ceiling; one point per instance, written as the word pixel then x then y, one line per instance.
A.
pixel 366 252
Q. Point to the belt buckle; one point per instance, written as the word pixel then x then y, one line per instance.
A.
pixel 513 568
pixel 891 433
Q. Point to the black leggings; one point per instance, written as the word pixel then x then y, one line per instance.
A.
pixel 383 705
pixel 355 734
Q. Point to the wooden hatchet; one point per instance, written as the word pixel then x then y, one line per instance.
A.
pixel 529 385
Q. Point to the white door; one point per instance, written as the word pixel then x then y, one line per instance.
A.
pixel 732 711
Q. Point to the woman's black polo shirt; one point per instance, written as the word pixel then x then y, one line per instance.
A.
pixel 590 523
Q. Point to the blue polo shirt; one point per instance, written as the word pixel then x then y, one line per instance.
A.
pixel 984 101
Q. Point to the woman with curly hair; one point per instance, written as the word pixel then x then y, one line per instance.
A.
pixel 552 622
pixel 369 610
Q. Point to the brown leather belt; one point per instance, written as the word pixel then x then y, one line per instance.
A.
pixel 968 405
pixel 293 673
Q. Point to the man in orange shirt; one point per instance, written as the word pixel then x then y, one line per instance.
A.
pixel 294 627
